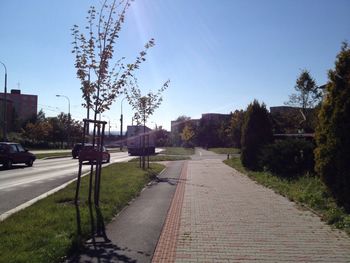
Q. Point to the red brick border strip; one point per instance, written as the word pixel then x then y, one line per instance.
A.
pixel 166 247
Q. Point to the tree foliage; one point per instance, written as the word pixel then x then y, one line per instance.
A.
pixel 42 130
pixel 103 78
pixel 332 135
pixel 144 105
pixel 211 132
pixel 308 94
pixel 162 138
pixel 256 133
pixel 236 123
pixel 180 123
pixel 187 135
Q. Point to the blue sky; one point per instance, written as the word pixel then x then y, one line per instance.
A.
pixel 218 54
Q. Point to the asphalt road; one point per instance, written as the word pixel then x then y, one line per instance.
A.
pixel 21 184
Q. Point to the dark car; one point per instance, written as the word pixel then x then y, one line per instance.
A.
pixel 88 151
pixel 76 149
pixel 13 153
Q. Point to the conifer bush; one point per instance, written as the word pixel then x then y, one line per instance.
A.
pixel 332 154
pixel 256 133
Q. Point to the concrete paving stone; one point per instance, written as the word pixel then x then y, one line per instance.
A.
pixel 226 217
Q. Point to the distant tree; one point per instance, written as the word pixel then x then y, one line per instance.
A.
pixel 38 132
pixel 187 135
pixel 236 123
pixel 256 133
pixel 58 133
pixel 103 78
pixel 180 125
pixel 224 133
pixel 162 138
pixel 308 94
pixel 332 134
pixel 76 130
pixel 210 133
pixel 40 117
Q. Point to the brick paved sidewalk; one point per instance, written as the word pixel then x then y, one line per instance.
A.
pixel 226 217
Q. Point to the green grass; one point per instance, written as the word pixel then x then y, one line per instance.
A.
pixel 48 230
pixel 64 154
pixel 225 150
pixel 161 157
pixel 308 191
pixel 178 151
pixel 53 155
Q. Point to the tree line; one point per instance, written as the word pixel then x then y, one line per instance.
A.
pixel 48 132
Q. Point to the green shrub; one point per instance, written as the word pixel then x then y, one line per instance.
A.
pixel 289 158
pixel 332 154
pixel 256 133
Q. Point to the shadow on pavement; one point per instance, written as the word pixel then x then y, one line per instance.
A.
pixel 173 181
pixel 99 248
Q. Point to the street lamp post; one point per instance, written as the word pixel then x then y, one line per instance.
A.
pixel 5 106
pixel 68 137
pixel 121 124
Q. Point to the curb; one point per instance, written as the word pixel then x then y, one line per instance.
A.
pixel 54 157
pixel 165 250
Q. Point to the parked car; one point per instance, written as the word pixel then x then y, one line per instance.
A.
pixel 13 153
pixel 88 152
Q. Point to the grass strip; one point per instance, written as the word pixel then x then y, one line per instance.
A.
pixel 162 157
pixel 63 154
pixel 225 150
pixel 52 155
pixel 308 191
pixel 54 227
pixel 178 151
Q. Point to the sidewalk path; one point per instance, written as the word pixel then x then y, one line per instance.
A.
pixel 219 215
pixel 134 233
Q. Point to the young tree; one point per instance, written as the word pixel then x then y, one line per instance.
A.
pixel 307 95
pixel 103 78
pixel 144 105
pixel 256 133
pixel 332 134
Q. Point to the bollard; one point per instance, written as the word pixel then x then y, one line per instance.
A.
pixel 228 156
